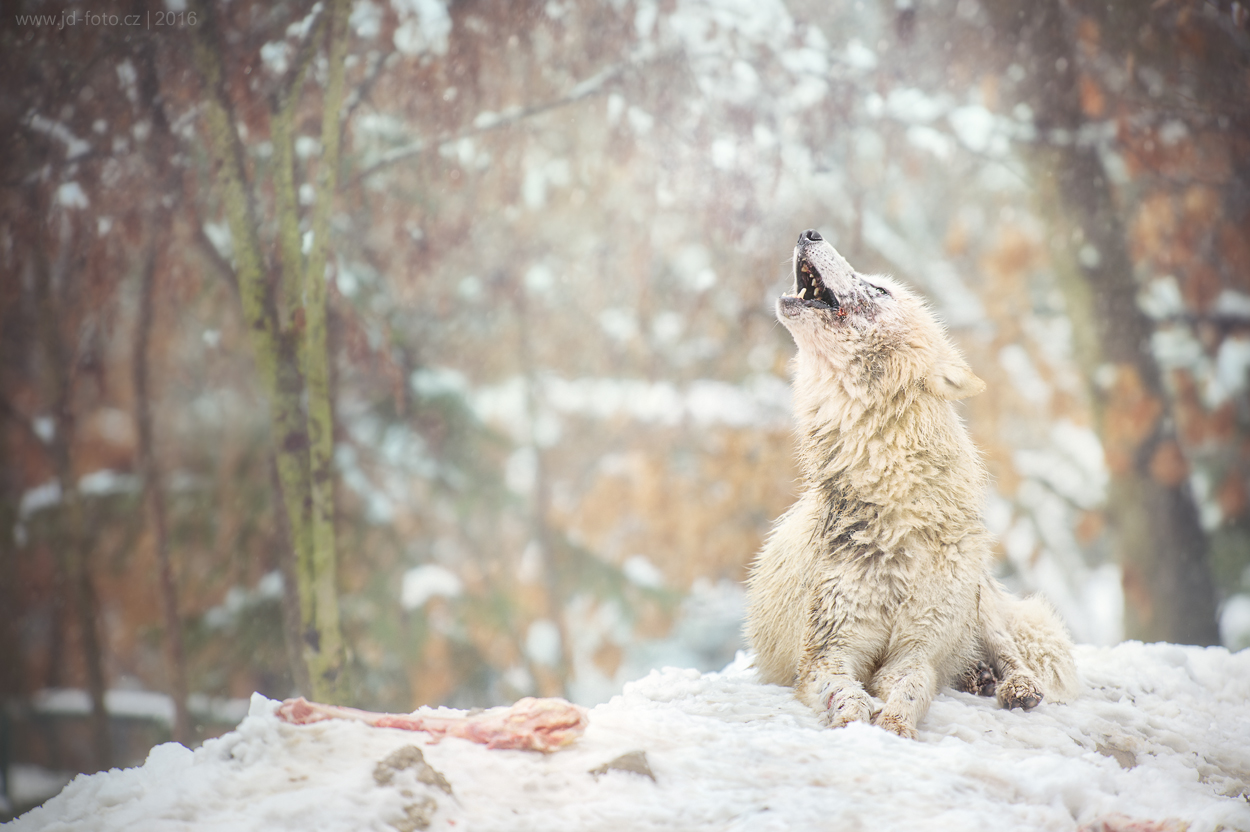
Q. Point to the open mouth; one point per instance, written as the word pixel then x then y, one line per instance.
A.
pixel 810 289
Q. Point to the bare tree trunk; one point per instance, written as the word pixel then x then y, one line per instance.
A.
pixel 293 363
pixel 291 625
pixel 318 593
pixel 1161 545
pixel 149 467
pixel 11 659
pixel 154 495
pixel 75 553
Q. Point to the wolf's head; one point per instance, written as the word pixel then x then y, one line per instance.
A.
pixel 872 331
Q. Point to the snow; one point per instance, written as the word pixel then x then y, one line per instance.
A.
pixel 429 580
pixel 276 56
pixel 762 400
pixel 218 234
pixel 70 195
pixel 1073 467
pixel 959 306
pixel 1065 475
pixel 102 483
pixel 27 785
pixel 140 704
pixel 1232 367
pixel 1231 304
pixel 1024 376
pixel 642 572
pixel 1235 621
pixel 239 600
pixel 858 56
pixel 137 704
pixel 74 146
pixel 425 26
pixel 1160 733
pixel 979 130
pixel 521 470
pixel 542 642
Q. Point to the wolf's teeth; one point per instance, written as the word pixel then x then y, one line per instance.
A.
pixel 803 293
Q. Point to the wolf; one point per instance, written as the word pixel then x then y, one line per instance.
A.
pixel 873 590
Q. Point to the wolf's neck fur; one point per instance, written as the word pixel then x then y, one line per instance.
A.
pixel 901 464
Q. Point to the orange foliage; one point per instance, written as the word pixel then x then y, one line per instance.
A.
pixel 1202 206
pixel 1137 594
pixel 1200 284
pixel 989 90
pixel 105 439
pixel 433 678
pixel 1196 425
pixel 708 521
pixel 1234 248
pixel 1232 495
pixel 1196 158
pixel 1152 228
pixel 608 657
pixel 1205 159
pixel 1093 102
pixel 1006 267
pixel 956 242
pixel 1168 465
pixel 653 621
pixel 1131 416
pixel 1088 36
pixel 1089 527
pixel 1016 253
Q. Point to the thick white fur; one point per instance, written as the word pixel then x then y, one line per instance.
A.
pixel 872 590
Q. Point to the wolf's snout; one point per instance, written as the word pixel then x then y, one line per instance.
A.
pixel 811 235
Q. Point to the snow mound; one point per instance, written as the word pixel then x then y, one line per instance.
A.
pixel 1160 734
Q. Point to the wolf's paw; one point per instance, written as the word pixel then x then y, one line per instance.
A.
pixel 846 705
pixel 895 724
pixel 980 679
pixel 1019 692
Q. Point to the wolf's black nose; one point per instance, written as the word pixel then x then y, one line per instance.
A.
pixel 811 235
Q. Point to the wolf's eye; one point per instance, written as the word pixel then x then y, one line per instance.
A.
pixel 880 290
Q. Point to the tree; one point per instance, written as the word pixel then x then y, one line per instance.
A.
pixel 1065 54
pixel 292 355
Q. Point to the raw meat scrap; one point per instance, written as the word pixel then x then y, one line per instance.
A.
pixel 530 725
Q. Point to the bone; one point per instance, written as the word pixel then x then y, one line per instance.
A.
pixel 531 724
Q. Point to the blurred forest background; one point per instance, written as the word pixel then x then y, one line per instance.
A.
pixel 422 352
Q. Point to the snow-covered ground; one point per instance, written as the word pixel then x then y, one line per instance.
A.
pixel 1159 740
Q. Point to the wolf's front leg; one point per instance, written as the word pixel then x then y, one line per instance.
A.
pixel 838 647
pixel 829 687
pixel 907 685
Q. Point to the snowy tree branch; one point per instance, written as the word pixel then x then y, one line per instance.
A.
pixel 594 85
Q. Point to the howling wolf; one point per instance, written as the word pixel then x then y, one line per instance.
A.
pixel 872 590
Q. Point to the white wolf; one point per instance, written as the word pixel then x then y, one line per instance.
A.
pixel 875 582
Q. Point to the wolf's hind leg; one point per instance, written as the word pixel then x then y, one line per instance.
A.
pixel 1030 647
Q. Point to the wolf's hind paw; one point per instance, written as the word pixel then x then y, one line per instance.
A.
pixel 981 680
pixel 1019 693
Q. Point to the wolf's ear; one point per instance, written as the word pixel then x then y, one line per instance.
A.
pixel 951 378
